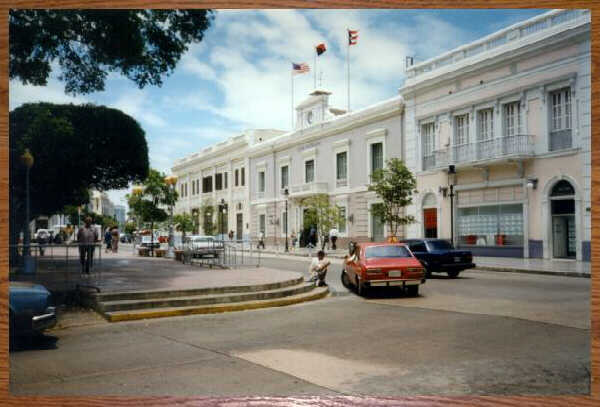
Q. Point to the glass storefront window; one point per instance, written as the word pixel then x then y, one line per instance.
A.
pixel 492 225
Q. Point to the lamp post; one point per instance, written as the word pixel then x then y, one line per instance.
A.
pixel 171 181
pixel 27 160
pixel 286 192
pixel 451 174
pixel 222 211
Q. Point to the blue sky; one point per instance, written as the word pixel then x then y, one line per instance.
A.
pixel 238 77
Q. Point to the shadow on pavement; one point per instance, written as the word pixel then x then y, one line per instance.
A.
pixel 35 342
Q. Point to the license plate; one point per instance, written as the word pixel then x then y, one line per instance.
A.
pixel 395 273
pixel 457 259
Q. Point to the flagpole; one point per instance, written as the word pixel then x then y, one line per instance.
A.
pixel 292 80
pixel 348 63
pixel 315 75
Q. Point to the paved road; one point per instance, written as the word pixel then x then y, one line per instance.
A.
pixel 486 333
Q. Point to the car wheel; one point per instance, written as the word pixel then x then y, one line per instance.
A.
pixel 453 274
pixel 345 279
pixel 412 290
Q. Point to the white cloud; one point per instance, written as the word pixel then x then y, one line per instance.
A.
pixel 53 93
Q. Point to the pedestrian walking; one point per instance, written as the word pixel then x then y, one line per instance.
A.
pixel 324 241
pixel 231 235
pixel 107 240
pixel 86 238
pixel 333 235
pixel 115 240
pixel 261 240
pixel 318 268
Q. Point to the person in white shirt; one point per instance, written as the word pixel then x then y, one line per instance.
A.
pixel 333 235
pixel 318 268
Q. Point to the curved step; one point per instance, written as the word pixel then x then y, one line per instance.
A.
pixel 314 294
pixel 146 295
pixel 193 300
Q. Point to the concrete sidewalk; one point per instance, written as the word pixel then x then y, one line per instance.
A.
pixel 571 268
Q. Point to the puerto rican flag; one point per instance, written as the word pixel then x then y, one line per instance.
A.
pixel 352 37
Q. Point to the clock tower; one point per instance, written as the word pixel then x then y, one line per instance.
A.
pixel 313 110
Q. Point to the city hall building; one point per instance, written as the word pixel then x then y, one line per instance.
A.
pixel 496 132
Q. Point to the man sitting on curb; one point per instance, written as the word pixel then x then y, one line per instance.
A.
pixel 318 268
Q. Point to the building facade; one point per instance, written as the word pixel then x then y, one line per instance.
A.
pixel 497 133
pixel 219 174
pixel 504 124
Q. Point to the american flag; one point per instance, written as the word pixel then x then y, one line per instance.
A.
pixel 300 68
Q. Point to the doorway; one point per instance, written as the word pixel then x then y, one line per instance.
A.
pixel 562 205
pixel 309 228
pixel 430 222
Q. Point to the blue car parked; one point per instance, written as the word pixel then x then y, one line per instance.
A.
pixel 30 309
pixel 439 256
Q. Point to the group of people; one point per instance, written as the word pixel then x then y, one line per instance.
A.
pixel 111 240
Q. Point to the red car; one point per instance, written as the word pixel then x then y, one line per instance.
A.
pixel 383 265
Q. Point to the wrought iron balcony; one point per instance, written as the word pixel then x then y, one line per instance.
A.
pixel 310 188
pixel 520 145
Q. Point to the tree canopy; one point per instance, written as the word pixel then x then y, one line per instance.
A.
pixel 75 148
pixel 395 185
pixel 142 45
pixel 322 213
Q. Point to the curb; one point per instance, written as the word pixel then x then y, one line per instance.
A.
pixel 528 271
pixel 483 268
pixel 217 308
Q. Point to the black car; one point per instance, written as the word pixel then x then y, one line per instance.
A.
pixel 439 256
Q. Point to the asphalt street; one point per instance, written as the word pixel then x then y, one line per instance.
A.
pixel 483 333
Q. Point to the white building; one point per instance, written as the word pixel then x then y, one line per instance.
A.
pixel 497 133
pixel 508 111
pixel 101 204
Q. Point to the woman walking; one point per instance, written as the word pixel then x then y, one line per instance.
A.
pixel 115 240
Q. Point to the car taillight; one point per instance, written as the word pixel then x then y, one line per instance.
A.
pixel 373 271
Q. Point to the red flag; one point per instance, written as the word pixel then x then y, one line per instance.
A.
pixel 320 49
pixel 352 37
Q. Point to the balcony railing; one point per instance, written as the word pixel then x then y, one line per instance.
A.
pixel 483 150
pixel 310 188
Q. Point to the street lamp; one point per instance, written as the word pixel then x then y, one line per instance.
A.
pixel 27 160
pixel 451 172
pixel 222 211
pixel 286 193
pixel 171 180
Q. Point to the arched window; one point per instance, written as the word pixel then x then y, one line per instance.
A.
pixel 562 188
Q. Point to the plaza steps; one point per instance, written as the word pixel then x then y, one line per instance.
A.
pixel 127 306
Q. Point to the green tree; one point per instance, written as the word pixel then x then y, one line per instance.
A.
pixel 184 222
pixel 147 205
pixel 142 45
pixel 322 213
pixel 207 211
pixel 130 227
pixel 75 148
pixel 395 185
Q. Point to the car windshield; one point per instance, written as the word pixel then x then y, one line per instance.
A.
pixel 386 251
pixel 440 245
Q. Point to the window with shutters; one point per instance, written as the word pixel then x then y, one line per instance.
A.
pixel 512 119
pixel 428 143
pixel 560 119
pixel 342 165
pixel 309 171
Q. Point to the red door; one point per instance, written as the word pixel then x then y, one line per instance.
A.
pixel 430 222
